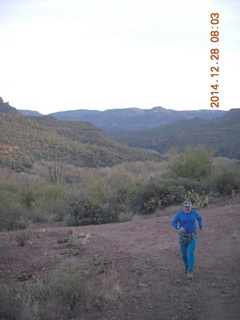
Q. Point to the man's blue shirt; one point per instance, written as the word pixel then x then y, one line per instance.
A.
pixel 187 220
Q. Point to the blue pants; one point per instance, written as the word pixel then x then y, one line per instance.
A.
pixel 187 252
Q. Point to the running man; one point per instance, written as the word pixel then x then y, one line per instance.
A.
pixel 185 222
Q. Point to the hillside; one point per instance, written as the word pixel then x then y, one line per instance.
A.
pixel 230 119
pixel 6 108
pixel 222 135
pixel 137 268
pixel 132 119
pixel 24 141
pixel 30 113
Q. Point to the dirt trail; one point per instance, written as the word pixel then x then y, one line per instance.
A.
pixel 143 260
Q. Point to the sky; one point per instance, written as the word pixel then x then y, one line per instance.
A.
pixel 58 55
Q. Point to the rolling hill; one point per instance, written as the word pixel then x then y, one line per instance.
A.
pixel 25 141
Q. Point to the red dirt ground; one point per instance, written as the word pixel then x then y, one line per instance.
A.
pixel 142 258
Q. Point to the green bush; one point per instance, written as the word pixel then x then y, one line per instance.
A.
pixel 9 303
pixel 198 200
pixel 195 164
pixel 159 194
pixel 22 235
pixel 67 290
pixel 69 286
pixel 225 178
pixel 21 301
pixel 125 216
pixel 127 196
pixel 44 202
pixel 47 211
pixel 12 213
pixel 36 202
pixel 199 186
pixel 29 300
pixel 85 211
pixel 41 192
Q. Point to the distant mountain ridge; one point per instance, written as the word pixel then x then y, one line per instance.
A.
pixel 130 119
pixel 134 119
pixel 221 134
pixel 30 113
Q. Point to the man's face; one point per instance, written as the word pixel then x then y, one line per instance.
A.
pixel 187 209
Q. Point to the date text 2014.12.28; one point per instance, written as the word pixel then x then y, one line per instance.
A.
pixel 214 56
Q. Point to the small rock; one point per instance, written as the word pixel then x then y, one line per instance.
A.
pixel 70 232
pixel 24 276
pixel 60 240
pixel 97 262
pixel 82 235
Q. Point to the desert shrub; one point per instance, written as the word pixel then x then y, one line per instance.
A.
pixel 159 194
pixel 9 303
pixel 57 209
pixel 225 177
pixel 29 300
pixel 67 290
pixel 75 243
pixel 125 216
pixel 43 202
pixel 12 213
pixel 108 185
pixel 22 235
pixel 83 210
pixel 69 286
pixel 38 215
pixel 198 200
pixel 43 210
pixel 123 184
pixel 199 186
pixel 127 196
pixel 71 220
pixel 108 285
pixel 147 195
pixel 193 163
pixel 32 193
pixel 151 205
pixel 21 301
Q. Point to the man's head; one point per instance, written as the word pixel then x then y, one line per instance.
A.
pixel 187 206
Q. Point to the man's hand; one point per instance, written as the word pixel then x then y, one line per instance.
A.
pixel 181 230
pixel 201 228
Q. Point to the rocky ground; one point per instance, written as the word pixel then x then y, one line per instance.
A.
pixel 140 266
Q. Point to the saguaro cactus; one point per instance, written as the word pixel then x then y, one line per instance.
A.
pixel 55 173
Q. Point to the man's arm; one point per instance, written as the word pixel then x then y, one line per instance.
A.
pixel 199 219
pixel 175 222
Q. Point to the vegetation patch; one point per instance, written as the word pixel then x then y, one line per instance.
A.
pixel 84 196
